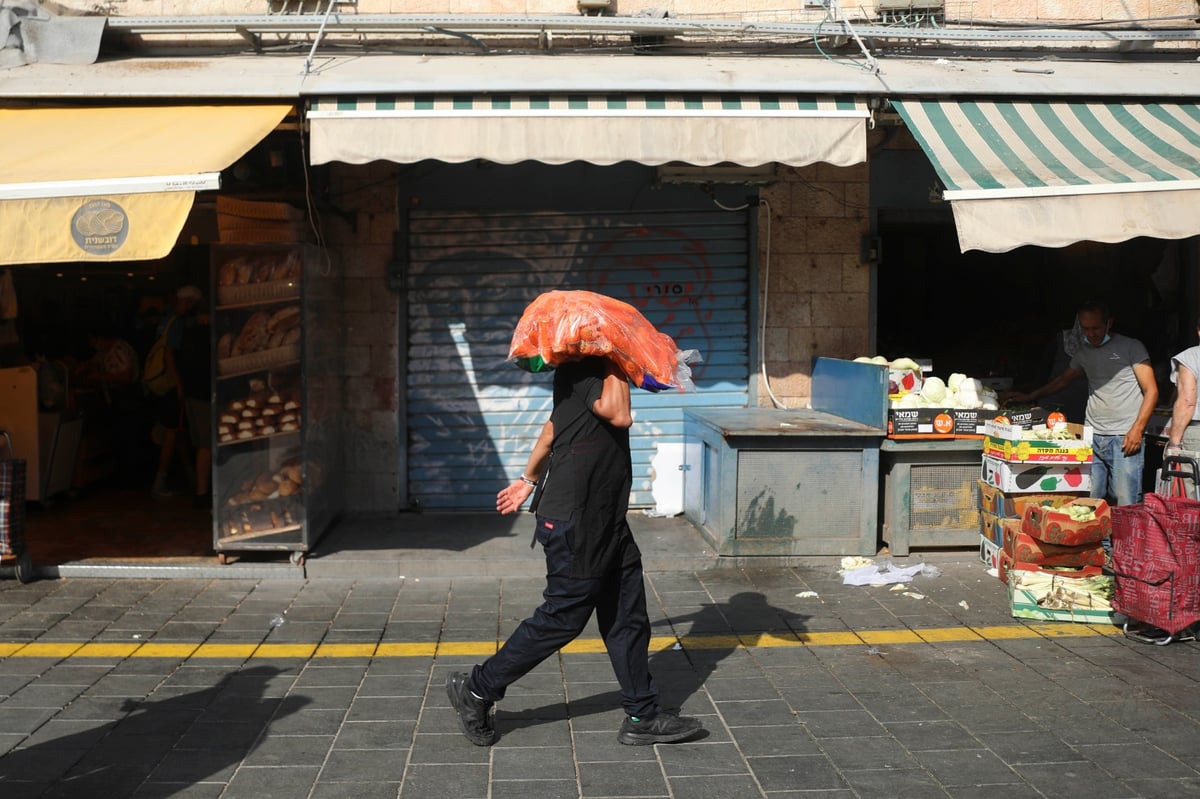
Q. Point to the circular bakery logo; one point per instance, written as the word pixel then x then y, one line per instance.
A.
pixel 100 227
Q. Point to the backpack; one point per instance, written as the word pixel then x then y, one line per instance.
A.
pixel 156 378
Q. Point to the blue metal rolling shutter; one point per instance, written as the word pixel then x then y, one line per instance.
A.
pixel 472 417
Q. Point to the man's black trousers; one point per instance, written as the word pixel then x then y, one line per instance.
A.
pixel 619 600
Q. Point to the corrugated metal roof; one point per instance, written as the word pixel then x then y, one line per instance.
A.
pixel 279 76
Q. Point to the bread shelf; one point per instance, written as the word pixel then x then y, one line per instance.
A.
pixel 252 439
pixel 259 361
pixel 242 295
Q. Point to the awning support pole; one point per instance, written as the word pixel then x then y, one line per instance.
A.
pixel 320 34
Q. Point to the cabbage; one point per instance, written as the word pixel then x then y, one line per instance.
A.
pixel 879 359
pixel 934 390
pixel 906 363
pixel 956 380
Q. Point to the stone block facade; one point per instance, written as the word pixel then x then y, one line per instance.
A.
pixel 817 298
pixel 750 10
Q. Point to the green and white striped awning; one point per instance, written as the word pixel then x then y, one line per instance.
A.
pixel 749 130
pixel 1052 173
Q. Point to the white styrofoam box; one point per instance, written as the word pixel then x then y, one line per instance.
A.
pixel 1027 478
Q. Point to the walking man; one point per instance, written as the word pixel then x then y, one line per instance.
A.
pixel 581 466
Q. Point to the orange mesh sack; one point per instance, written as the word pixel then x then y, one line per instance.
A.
pixel 562 326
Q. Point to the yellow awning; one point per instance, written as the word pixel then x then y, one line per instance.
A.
pixel 113 184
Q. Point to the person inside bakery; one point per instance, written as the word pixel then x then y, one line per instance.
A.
pixel 195 371
pixel 169 406
pixel 114 361
pixel 11 351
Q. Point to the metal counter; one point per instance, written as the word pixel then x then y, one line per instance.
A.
pixel 760 481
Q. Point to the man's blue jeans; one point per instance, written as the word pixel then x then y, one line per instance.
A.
pixel 1114 473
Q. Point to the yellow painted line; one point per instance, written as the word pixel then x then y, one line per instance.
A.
pixel 405 650
pixel 709 642
pixel 936 635
pixel 110 650
pixel 769 640
pixel 484 648
pixel 153 650
pixel 49 650
pixel 345 651
pixel 225 650
pixel 830 639
pixel 1000 632
pixel 1006 632
pixel 304 651
pixel 591 646
pixel 890 637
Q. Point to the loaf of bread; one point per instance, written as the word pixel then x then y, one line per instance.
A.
pixel 254 334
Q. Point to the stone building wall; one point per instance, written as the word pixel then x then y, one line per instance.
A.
pixel 751 10
pixel 818 300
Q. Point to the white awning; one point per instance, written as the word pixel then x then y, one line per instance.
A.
pixel 1053 173
pixel 113 184
pixel 749 130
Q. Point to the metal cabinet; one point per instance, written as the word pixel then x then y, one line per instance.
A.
pixel 759 481
pixel 929 493
pixel 276 400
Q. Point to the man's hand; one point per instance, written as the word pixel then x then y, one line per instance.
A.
pixel 1132 442
pixel 512 497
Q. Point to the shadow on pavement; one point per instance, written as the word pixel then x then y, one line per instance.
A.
pixel 715 631
pixel 160 746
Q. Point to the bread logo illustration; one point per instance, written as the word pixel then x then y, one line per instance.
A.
pixel 100 227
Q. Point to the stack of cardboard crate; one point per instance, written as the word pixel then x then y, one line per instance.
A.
pixel 1019 472
pixel 1053 561
pixel 1048 537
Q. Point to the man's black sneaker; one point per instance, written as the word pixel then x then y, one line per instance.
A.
pixel 665 728
pixel 474 714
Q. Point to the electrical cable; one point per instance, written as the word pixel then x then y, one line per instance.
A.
pixel 762 335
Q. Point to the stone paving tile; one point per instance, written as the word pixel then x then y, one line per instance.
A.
pixel 795 772
pixel 1133 758
pixel 622 779
pixel 1079 780
pixel 271 782
pixel 850 754
pixel 464 781
pixel 540 762
pixel 913 783
pixel 959 767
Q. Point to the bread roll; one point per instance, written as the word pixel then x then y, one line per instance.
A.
pixel 225 346
pixel 287 488
pixel 245 271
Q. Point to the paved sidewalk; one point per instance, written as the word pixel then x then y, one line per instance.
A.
pixel 193 688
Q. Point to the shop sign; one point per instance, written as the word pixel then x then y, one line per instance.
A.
pixel 100 227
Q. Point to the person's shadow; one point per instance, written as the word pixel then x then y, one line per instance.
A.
pixel 160 745
pixel 706 637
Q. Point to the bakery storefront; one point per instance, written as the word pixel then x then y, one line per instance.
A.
pixel 98 240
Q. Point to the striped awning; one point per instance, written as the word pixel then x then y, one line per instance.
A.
pixel 1053 173
pixel 749 130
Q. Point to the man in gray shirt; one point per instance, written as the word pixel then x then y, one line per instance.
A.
pixel 1122 393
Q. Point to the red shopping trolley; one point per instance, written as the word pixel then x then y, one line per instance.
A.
pixel 12 512
pixel 1156 565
